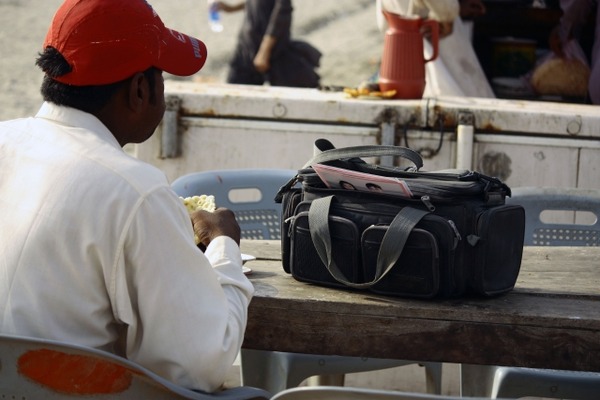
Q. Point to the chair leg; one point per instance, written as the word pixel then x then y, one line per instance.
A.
pixel 476 380
pixel 327 380
pixel 433 377
pixel 275 371
pixel 263 369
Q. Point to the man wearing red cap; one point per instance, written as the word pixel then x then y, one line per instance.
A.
pixel 96 249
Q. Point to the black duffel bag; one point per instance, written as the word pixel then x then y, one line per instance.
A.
pixel 400 232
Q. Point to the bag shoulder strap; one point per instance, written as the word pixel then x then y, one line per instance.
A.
pixel 391 248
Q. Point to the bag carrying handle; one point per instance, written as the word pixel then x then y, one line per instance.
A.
pixel 331 154
pixel 366 151
pixel 391 248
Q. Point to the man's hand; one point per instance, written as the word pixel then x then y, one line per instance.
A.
pixel 444 29
pixel 221 222
pixel 262 62
pixel 262 59
pixel 471 9
pixel 228 8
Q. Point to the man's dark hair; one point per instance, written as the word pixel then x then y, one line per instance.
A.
pixel 90 99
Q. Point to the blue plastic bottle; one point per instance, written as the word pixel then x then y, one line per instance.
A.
pixel 214 17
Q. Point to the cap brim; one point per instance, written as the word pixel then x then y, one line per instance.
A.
pixel 180 54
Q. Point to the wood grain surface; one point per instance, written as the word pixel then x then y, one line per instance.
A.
pixel 550 320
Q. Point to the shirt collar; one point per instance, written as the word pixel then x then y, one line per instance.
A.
pixel 73 117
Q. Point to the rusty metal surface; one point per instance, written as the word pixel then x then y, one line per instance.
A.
pixel 311 105
pixel 525 143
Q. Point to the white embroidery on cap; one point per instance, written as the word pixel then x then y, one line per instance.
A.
pixel 196 46
pixel 177 35
pixel 182 38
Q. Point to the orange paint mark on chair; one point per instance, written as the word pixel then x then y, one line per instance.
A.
pixel 74 374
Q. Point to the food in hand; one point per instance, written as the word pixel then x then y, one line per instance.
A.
pixel 195 203
pixel 202 202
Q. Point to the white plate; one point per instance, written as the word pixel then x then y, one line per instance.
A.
pixel 247 257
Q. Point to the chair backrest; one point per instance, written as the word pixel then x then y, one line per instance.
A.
pixel 249 193
pixel 559 216
pixel 350 393
pixel 32 368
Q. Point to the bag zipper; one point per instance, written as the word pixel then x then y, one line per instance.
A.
pixel 427 201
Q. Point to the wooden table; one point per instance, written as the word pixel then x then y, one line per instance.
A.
pixel 550 320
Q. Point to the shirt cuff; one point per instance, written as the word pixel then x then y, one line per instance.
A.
pixel 224 255
pixel 223 249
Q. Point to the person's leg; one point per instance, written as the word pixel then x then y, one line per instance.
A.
pixel 242 71
pixel 291 69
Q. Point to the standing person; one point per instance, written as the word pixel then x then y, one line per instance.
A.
pixel 97 250
pixel 456 71
pixel 265 51
pixel 575 15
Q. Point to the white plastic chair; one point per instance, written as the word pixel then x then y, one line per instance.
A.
pixel 572 215
pixel 250 194
pixel 349 393
pixel 33 368
pixel 553 217
pixel 276 371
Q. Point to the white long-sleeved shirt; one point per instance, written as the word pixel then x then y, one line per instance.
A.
pixel 96 249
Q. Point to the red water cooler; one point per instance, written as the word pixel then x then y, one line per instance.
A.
pixel 403 62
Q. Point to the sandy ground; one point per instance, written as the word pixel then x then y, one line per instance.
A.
pixel 344 31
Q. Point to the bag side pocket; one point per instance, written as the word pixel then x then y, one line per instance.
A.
pixel 417 271
pixel 305 263
pixel 498 249
pixel 452 276
pixel 290 201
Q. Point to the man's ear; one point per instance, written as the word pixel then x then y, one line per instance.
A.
pixel 139 92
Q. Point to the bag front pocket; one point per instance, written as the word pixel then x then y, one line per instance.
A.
pixel 306 265
pixel 415 274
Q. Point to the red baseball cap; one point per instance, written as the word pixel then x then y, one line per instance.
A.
pixel 106 41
